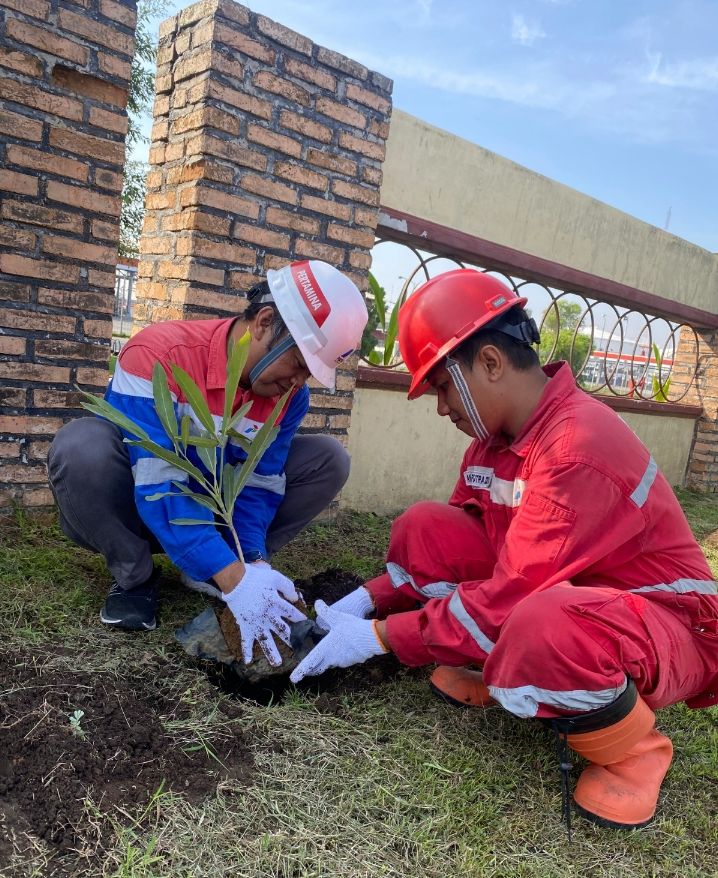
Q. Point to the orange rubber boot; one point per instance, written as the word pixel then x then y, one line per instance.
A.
pixel 461 687
pixel 630 759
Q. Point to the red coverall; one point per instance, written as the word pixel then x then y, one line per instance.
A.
pixel 563 565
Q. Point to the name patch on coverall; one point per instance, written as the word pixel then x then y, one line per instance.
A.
pixel 478 476
pixel 501 491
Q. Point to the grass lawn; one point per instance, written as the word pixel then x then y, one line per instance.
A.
pixel 383 782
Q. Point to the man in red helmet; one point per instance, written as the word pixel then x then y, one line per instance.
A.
pixel 562 580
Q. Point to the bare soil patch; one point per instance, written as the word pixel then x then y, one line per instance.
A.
pixel 117 755
pixel 62 781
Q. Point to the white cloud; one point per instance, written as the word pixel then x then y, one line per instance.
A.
pixel 536 86
pixel 524 32
pixel 424 10
pixel 622 102
pixel 700 74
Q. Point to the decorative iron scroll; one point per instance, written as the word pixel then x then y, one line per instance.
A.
pixel 612 349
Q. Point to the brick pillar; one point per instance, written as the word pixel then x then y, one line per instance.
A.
pixel 266 148
pixel 702 472
pixel 63 90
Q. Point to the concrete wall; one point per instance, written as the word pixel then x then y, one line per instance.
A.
pixel 437 176
pixel 668 439
pixel 403 452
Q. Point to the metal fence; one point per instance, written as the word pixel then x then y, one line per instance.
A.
pixel 614 349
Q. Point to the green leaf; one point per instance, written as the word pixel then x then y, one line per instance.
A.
pixel 170 457
pixel 185 429
pixel 391 333
pixel 236 361
pixel 229 478
pixel 660 393
pixel 203 499
pixel 250 464
pixel 660 390
pixel 198 498
pixel 379 295
pixel 266 435
pixel 240 440
pixel 204 441
pixel 194 397
pixel 163 402
pixel 208 457
pixel 191 521
pixel 99 406
pixel 238 415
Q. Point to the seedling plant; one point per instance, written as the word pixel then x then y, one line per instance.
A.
pixel 220 483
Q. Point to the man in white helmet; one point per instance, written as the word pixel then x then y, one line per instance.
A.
pixel 303 320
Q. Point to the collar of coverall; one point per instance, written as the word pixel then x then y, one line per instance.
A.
pixel 561 385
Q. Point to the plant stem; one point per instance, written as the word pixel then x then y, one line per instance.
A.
pixel 236 539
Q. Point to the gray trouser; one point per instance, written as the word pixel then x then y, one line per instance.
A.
pixel 91 478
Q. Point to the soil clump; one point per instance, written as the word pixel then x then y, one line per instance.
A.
pixel 333 685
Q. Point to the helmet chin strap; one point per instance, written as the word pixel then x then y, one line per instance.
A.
pixel 274 354
pixel 454 369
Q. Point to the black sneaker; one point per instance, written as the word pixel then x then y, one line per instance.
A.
pixel 132 609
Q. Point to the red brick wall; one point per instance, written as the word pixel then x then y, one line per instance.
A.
pixel 266 148
pixel 63 89
pixel 702 472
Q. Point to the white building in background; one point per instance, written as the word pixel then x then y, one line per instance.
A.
pixel 125 277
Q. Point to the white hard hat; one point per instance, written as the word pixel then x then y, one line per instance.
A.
pixel 324 312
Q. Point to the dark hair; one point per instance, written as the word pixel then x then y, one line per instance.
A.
pixel 255 304
pixel 521 356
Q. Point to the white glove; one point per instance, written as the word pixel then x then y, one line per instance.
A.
pixel 357 603
pixel 350 641
pixel 260 606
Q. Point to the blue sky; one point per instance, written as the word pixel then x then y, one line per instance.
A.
pixel 615 98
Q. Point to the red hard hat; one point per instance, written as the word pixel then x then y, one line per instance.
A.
pixel 445 311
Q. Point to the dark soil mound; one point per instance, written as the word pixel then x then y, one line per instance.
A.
pixel 116 752
pixel 330 586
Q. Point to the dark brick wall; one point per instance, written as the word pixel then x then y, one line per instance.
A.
pixel 63 90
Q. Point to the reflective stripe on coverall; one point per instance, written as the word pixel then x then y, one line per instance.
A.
pixel 565 563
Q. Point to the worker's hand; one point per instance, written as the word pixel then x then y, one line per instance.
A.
pixel 260 605
pixel 357 603
pixel 350 641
